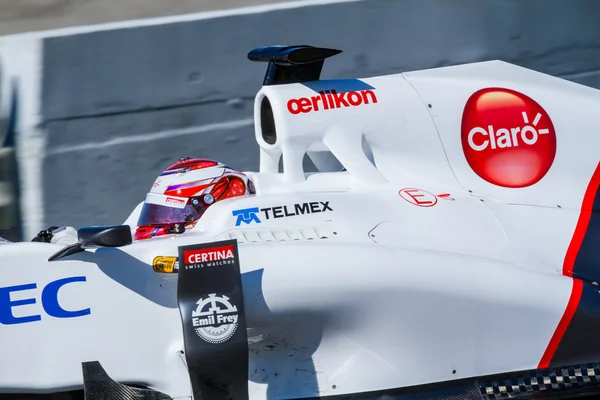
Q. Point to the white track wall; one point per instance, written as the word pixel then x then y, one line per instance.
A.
pixel 102 110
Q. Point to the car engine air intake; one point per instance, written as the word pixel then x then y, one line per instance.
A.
pixel 267 122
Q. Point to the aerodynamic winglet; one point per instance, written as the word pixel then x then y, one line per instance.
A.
pixel 292 64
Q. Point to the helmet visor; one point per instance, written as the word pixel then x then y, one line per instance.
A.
pixel 160 209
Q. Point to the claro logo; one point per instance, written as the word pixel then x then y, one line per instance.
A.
pixel 508 139
pixel 330 99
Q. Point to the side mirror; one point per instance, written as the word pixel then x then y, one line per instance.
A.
pixel 92 237
pixel 105 236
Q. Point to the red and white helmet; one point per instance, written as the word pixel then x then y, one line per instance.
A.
pixel 182 193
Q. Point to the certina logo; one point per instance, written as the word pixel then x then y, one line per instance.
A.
pixel 212 257
pixel 173 200
pixel 508 138
pixel 215 319
pixel 330 99
pixel 249 215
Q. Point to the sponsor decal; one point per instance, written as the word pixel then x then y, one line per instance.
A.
pixel 211 257
pixel 165 264
pixel 49 299
pixel 211 306
pixel 330 99
pixel 418 197
pixel 423 198
pixel 168 200
pixel 296 209
pixel 445 196
pixel 248 215
pixel 176 201
pixel 507 137
pixel 215 319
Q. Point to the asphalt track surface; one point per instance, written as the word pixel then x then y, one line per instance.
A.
pixel 17 16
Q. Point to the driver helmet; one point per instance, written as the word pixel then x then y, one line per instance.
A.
pixel 184 191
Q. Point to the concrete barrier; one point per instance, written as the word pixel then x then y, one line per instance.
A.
pixel 118 105
pixel 9 199
pixel 8 204
pixel 6 187
pixel 20 101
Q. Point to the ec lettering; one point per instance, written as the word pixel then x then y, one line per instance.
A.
pixel 49 300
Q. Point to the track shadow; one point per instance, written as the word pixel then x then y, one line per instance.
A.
pixel 281 345
pixel 134 275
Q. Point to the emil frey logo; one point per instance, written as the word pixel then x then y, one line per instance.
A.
pixel 212 257
pixel 330 99
pixel 249 215
pixel 215 319
pixel 508 138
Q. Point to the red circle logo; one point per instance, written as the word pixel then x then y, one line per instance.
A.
pixel 418 197
pixel 508 139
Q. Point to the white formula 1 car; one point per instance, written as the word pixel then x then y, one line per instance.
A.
pixel 443 250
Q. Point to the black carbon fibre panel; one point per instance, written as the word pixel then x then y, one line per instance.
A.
pixel 587 262
pixel 211 305
pixel 12 235
pixel 97 385
pixel 550 384
pixel 580 381
pixel 581 342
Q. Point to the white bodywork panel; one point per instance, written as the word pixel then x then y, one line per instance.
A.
pixel 381 292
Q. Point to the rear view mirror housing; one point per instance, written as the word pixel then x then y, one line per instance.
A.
pixel 105 236
pixel 93 237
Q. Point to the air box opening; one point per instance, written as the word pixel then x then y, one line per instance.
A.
pixel 267 122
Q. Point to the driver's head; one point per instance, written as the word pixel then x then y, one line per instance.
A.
pixel 183 192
